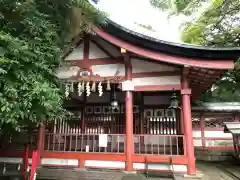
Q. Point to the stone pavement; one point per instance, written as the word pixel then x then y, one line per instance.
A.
pixel 76 174
pixel 79 174
pixel 211 171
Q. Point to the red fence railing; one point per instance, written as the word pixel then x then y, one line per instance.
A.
pixel 83 143
pixel 143 144
pixel 159 144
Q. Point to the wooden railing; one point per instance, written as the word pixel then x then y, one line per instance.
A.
pixel 83 143
pixel 143 144
pixel 159 144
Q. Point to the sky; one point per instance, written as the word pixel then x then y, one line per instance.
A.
pixel 131 13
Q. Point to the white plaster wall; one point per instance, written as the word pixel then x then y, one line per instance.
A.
pixel 56 161
pixel 76 54
pixel 105 164
pixel 95 52
pixel 162 80
pixel 114 51
pixel 163 167
pixel 109 70
pixel 139 66
pixel 217 134
pixel 197 133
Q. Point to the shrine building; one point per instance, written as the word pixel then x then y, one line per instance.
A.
pixel 131 99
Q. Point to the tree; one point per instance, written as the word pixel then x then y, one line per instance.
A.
pixel 217 26
pixel 33 37
pixel 186 7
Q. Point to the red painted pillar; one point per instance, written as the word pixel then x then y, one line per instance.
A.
pixel 129 131
pixel 25 161
pixel 34 165
pixel 186 105
pixel 181 122
pixel 129 118
pixel 202 130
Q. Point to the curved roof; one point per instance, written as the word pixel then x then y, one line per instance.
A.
pixel 232 127
pixel 218 106
pixel 177 49
pixel 173 56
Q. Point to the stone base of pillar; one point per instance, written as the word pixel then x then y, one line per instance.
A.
pixel 132 172
pixel 197 175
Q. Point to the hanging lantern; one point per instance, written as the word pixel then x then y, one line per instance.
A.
pixel 174 102
pixel 79 89
pixel 114 105
pixel 66 90
pixel 93 89
pixel 114 102
pixel 108 86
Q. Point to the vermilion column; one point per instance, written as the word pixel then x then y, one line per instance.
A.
pixel 181 122
pixel 202 130
pixel 186 106
pixel 34 165
pixel 129 118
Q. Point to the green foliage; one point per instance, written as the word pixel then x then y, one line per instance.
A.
pixel 33 34
pixel 217 26
pixel 227 89
pixel 178 6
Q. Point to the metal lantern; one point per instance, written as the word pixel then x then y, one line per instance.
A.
pixel 174 102
pixel 114 105
pixel 114 102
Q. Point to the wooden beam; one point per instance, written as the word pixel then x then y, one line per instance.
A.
pixel 158 87
pixel 98 61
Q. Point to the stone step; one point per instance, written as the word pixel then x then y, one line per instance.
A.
pixel 76 174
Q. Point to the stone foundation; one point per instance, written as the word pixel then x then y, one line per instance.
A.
pixel 213 155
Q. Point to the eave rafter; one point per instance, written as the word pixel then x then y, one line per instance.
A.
pixel 202 79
